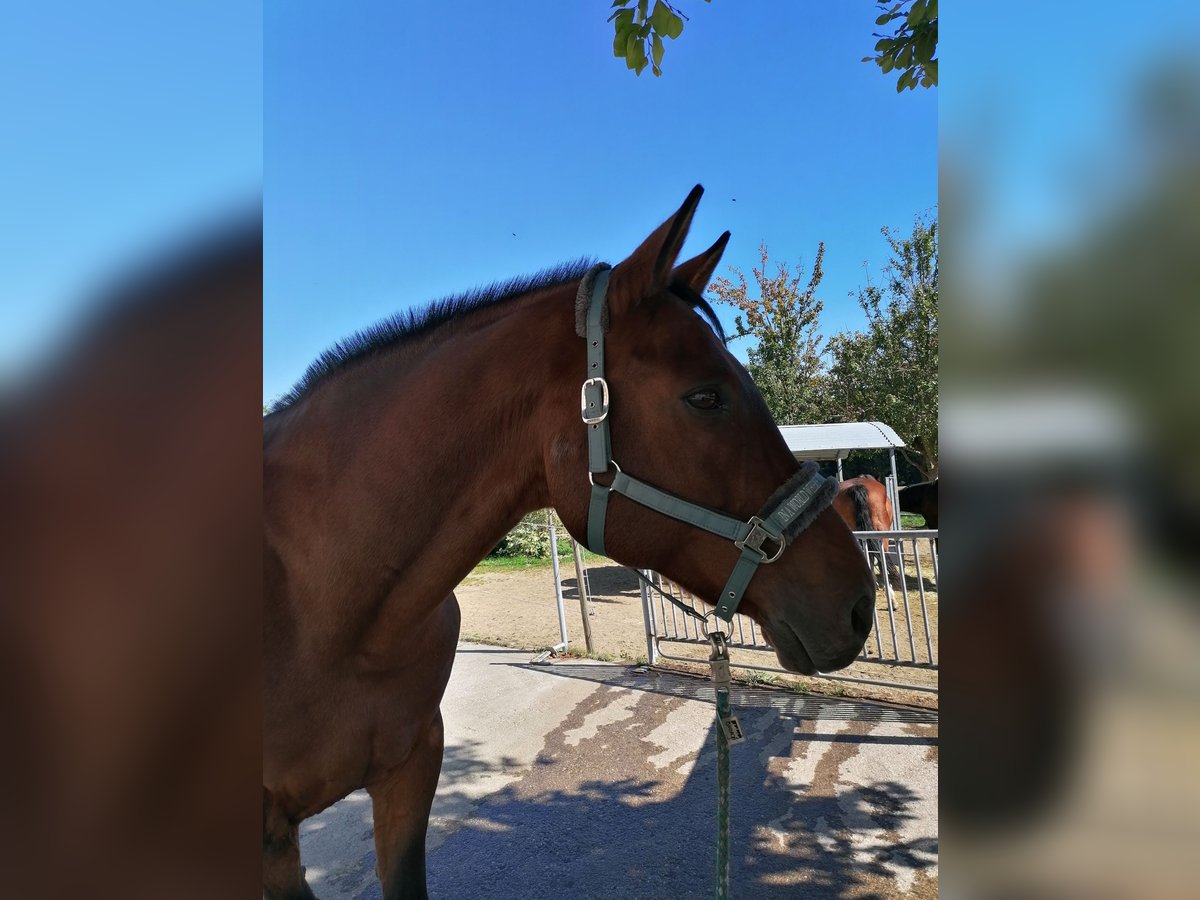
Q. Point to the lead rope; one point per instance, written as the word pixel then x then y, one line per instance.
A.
pixel 729 730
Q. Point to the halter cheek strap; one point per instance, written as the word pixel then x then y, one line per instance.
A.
pixel 762 538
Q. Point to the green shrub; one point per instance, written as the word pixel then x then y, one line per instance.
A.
pixel 531 538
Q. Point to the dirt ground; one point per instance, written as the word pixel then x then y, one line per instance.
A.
pixel 516 608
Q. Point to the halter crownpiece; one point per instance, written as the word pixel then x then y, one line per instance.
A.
pixel 762 538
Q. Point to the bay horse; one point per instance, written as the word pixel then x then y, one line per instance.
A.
pixel 864 505
pixel 921 499
pixel 406 452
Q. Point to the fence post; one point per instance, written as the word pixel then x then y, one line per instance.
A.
pixel 895 491
pixel 583 597
pixel 562 613
pixel 648 618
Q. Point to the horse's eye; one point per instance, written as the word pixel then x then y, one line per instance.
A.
pixel 706 400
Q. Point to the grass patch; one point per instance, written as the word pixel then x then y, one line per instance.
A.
pixel 511 563
pixel 754 677
pixel 911 520
pixel 524 563
pixel 495 641
pixel 577 653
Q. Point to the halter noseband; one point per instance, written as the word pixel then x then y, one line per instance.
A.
pixel 789 511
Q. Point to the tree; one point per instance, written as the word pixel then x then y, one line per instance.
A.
pixel 636 28
pixel 638 33
pixel 889 372
pixel 786 359
pixel 911 48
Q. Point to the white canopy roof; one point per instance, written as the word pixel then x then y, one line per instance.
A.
pixel 837 440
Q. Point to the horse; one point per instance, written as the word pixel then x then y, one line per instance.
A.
pixel 130 637
pixel 407 451
pixel 921 499
pixel 864 505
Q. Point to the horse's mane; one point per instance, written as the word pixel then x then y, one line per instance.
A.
pixel 403 327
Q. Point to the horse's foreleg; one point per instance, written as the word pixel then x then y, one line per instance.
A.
pixel 282 874
pixel 401 802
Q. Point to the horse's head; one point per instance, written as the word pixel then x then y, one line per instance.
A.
pixel 686 418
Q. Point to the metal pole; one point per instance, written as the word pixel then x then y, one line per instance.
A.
pixel 895 492
pixel 648 618
pixel 558 595
pixel 839 469
pixel 583 597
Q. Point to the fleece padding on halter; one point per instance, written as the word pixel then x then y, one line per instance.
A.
pixel 583 301
pixel 788 511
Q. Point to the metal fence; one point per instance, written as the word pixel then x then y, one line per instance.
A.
pixel 900 652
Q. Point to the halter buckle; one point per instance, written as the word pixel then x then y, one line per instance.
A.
pixel 757 537
pixel 585 404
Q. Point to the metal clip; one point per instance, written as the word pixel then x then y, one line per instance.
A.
pixel 585 405
pixel 718 660
pixel 757 537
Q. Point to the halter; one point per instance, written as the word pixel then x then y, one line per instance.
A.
pixel 762 538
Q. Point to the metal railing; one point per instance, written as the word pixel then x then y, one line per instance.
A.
pixel 904 628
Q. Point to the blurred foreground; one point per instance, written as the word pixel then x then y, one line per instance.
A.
pixel 1069 428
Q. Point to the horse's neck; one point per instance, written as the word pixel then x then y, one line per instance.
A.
pixel 405 471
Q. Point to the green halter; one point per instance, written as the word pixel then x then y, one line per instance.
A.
pixel 804 496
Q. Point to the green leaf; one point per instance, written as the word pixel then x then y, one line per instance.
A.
pixel 621 39
pixel 886 63
pixel 931 10
pixel 617 3
pixel 661 17
pixel 917 13
pixel 674 26
pixel 656 51
pixel 642 10
pixel 657 72
pixel 904 57
pixel 925 46
pixel 635 53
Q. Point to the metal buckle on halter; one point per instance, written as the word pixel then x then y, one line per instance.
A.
pixel 757 537
pixel 592 475
pixel 585 404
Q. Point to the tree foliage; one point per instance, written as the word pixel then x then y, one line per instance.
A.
pixel 911 49
pixel 889 372
pixel 638 32
pixel 783 320
pixel 531 537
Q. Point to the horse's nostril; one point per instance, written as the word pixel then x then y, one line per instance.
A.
pixel 860 616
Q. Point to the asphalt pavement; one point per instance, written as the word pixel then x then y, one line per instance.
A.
pixel 595 780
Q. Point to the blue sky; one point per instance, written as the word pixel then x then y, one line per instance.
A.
pixel 127 123
pixel 405 144
pixel 1039 118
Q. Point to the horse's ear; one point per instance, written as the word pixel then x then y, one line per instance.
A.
pixel 648 269
pixel 696 272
